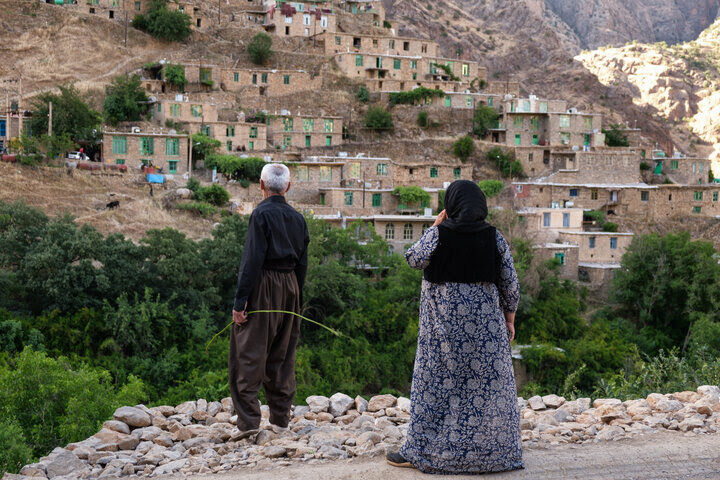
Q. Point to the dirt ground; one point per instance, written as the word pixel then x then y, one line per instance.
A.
pixel 662 456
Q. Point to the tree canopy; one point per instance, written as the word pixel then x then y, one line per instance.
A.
pixel 260 48
pixel 125 100
pixel 72 115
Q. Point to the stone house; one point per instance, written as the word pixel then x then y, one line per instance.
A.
pixel 165 151
pixel 544 224
pixel 566 254
pixel 681 169
pixel 304 131
pixel 341 42
pixel 116 9
pixel 184 108
pixel 254 83
pixel 239 136
pixel 400 231
pixel 571 165
pixel 299 19
pixel 598 247
pixel 456 100
pixel 374 9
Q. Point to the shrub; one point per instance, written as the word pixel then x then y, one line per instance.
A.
pixel 416 95
pixel 412 195
pixel 484 119
pixel 362 94
pixel 448 71
pixel 260 48
pixel 163 23
pixel 72 114
pixel 615 137
pixel 140 22
pixel 422 119
pixel 203 146
pixel 491 188
pixel 387 24
pixel 610 227
pixel 175 75
pixel 203 209
pixel 644 166
pixel 505 162
pixel 378 119
pixel 14 451
pixel 463 148
pixel 193 185
pixel 125 100
pixel 237 168
pixel 214 194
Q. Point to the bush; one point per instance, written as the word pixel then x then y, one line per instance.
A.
pixel 175 75
pixel 260 48
pixel 387 24
pixel 14 451
pixel 412 195
pixel 214 194
pixel 644 166
pixel 610 227
pixel 491 188
pixel 237 168
pixel 463 148
pixel 203 146
pixel 140 22
pixel 203 209
pixel 165 24
pixel 422 119
pixel 615 136
pixel 72 115
pixel 362 94
pixel 378 119
pixel 125 100
pixel 484 119
pixel 505 162
pixel 416 95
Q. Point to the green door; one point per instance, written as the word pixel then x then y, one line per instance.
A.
pixel 587 139
pixel 658 168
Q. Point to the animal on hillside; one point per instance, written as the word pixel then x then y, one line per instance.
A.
pixel 112 205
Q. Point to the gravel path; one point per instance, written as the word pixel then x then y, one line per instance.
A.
pixel 664 455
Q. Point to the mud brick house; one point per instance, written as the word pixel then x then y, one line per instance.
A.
pixel 117 9
pixel 466 100
pixel 239 136
pixel 565 254
pixel 400 231
pixel 299 19
pixel 544 224
pixel 184 108
pixel 168 152
pixel 681 169
pixel 304 131
pixel 257 83
pixel 562 164
pixel 340 42
pixel 374 9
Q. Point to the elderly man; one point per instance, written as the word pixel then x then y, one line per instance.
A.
pixel 272 273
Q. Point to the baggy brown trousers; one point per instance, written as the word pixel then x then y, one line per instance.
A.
pixel 262 351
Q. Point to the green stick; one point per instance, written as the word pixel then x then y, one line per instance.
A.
pixel 331 330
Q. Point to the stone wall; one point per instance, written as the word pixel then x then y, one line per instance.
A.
pixel 166 151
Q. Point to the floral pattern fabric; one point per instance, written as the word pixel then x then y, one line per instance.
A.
pixel 464 415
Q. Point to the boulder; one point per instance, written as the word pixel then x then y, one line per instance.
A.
pixel 610 432
pixel 165 410
pixel 709 391
pixel 275 451
pixel 132 416
pixel 340 404
pixel 65 463
pixel 536 403
pixel 318 403
pixel 381 402
pixel 214 408
pixel 553 401
pixel 361 404
pixel 583 404
pixel 117 426
pixel 227 405
pixel 184 193
pixel 170 467
pixel 372 437
pixel 686 396
pixel 403 403
pixel 264 437
pixel 128 443
pixel 187 408
pixel 691 423
pixel 606 401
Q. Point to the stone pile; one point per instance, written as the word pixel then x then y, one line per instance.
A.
pixel 201 437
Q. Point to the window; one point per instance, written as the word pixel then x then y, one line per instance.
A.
pixel 308 124
pixel 205 75
pixel 119 161
pixel 448 101
pixel 358 60
pixel 594 194
pixel 535 139
pixel 389 231
pixel 698 196
pixel 377 200
pixel 518 139
pixel 338 40
pixel 286 79
pixel 172 166
pixel 490 102
pixel 251 145
pixel 530 157
pixel 468 101
pixel 159 107
pixel 525 106
pixel 592 242
pixel 391 44
pixel 535 123
pixel 254 78
pixel 303 173
pixel 228 145
pixel 306 19
pixel 253 132
pixel 348 198
pixel 587 123
pixel 329 125
pixel 196 110
pixel 236 77
pixel 328 140
pixel 433 172
pixel 322 199
pixel 566 219
pixel 263 77
pixel 408 231
pixel 457 172
pixel 465 69
pixel 414 76
pixel 715 196
pixel 147 146
pixel 378 62
pixel 354 170
pixel 205 129
pixel 308 140
pixel 119 145
pixel 288 124
pixel 645 196
pixel 546 219
pixel 230 131
pixel 174 110
pixel 381 169
pixel 325 173
pixel 613 243
pixel 323 21
pixel 573 192
pixel 560 257
pixel 413 64
pixel 518 122
pixel 564 121
pixel 397 63
pixel 137 6
pixel 287 141
pixel 172 147
pixel 697 209
pixel 565 138
pixel 673 165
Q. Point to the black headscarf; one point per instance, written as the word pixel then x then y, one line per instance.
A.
pixel 466 207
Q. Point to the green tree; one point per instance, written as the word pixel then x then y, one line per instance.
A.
pixel 491 188
pixel 214 195
pixel 14 450
pixel 362 94
pixel 615 136
pixel 412 195
pixel 57 144
pixel 175 75
pixel 163 23
pixel 422 119
pixel 378 119
pixel 237 168
pixel 203 146
pixel 505 162
pixel 72 116
pixel 463 147
pixel 125 100
pixel 260 48
pixel 484 119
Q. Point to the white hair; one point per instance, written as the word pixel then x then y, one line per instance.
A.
pixel 276 177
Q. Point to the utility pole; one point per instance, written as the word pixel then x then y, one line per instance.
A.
pixel 218 24
pixel 50 119
pixel 126 27
pixel 7 117
pixel 20 110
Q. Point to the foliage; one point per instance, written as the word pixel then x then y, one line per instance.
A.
pixel 175 75
pixel 644 166
pixel 362 94
pixel 610 227
pixel 422 119
pixel 163 23
pixel 505 162
pixel 204 209
pixel 125 100
pixel 484 119
pixel 412 195
pixel 260 48
pixel 463 147
pixel 72 116
pixel 14 450
pixel 237 168
pixel 203 146
pixel 448 71
pixel 491 188
pixel 416 95
pixel 57 144
pixel 378 119
pixel 387 24
pixel 213 194
pixel 615 136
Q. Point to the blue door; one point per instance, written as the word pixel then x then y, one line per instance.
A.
pixel 2 128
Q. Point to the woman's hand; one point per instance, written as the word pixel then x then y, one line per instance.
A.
pixel 510 324
pixel 442 216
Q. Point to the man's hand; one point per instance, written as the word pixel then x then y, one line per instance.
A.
pixel 442 216
pixel 239 317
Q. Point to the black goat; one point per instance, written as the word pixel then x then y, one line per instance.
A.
pixel 112 205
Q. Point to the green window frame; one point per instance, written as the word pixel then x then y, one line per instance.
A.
pixel 535 139
pixel 469 101
pixel 251 145
pixel 308 140
pixel 588 123
pixel 205 129
pixel 433 172
pixel 303 173
pixel 264 77
pixel 457 173
pixel 172 147
pixel 288 124
pixel 119 161
pixel 543 107
pixel 338 40
pixel 349 199
pixel 286 79
pixel 253 132
pixel 329 125
pixel 229 145
pixel 413 64
pixel 254 78
pixel 308 124
pixel 354 170
pixel 644 196
pixel 287 141
pixel 172 166
pixel 377 199
pixel 236 77
pixel 517 122
pixel 564 121
pixel 715 196
pixel 196 110
pixel 159 107
pixel 490 101
pixel 518 139
pixel 381 169
pixel 697 209
pixel 559 256
pixel 328 140
pixel 325 173
pixel 414 76
pixel 359 61
pixel 674 164
pixel 448 101
pixel 397 64
pixel 175 110
pixel 535 123
pixel 565 138
pixel 147 146
pixel 322 199
pixel 698 196
pixel 230 131
pixel 137 6
pixel 119 145
pixel 206 74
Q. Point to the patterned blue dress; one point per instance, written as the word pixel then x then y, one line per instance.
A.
pixel 464 412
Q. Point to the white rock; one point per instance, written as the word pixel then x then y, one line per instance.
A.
pixel 170 467
pixel 610 432
pixel 318 403
pixel 64 463
pixel 340 404
pixel 583 404
pixel 117 426
pixel 709 391
pixel 606 401
pixel 361 404
pixel 536 403
pixel 691 423
pixel 275 451
pixel 187 408
pixel 403 403
pixel 381 402
pixel 553 401
pixel 132 416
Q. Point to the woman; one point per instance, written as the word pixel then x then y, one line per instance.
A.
pixel 464 416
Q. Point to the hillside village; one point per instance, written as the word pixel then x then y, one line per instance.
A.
pixel 303 109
